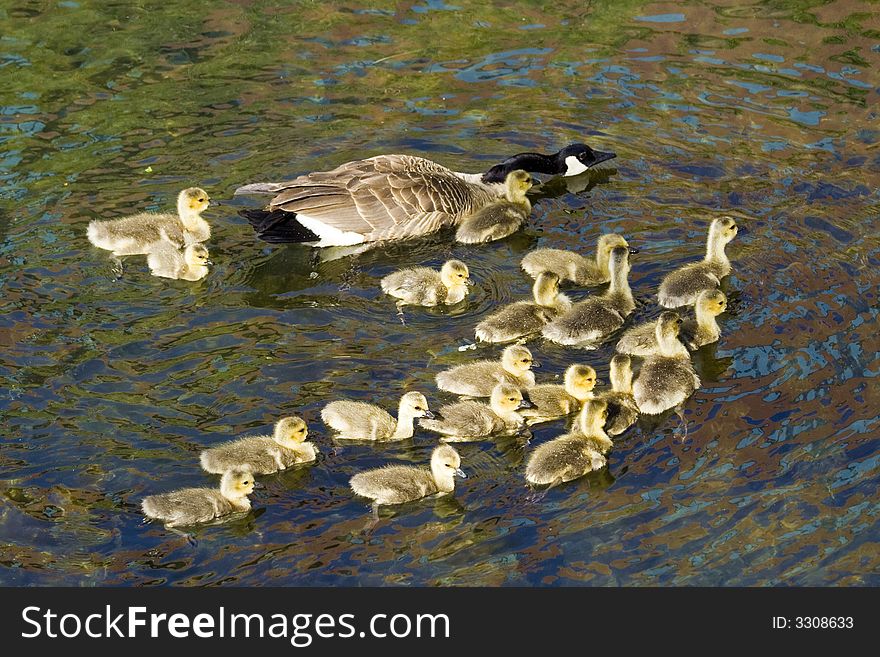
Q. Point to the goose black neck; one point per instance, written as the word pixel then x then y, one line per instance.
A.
pixel 531 162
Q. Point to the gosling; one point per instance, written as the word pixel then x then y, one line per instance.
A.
pixel 524 318
pixel 421 286
pixel 571 266
pixel 668 378
pixel 165 261
pixel 480 378
pixel 683 286
pixel 362 421
pixel 553 401
pixel 287 446
pixel 575 454
pixel 622 409
pixel 596 317
pixel 135 234
pixel 398 484
pixel 501 218
pixel 642 340
pixel 465 420
pixel 190 506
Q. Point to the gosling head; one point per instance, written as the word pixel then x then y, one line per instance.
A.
pixel 194 200
pixel 236 484
pixel 621 373
pixel 546 288
pixel 414 404
pixel 445 466
pixel 580 381
pixel 668 326
pixel 723 229
pixel 507 399
pixel 712 302
pixel 518 182
pixel 517 360
pixel 454 273
pixel 593 416
pixel 610 240
pixel 290 432
pixel 619 262
pixel 196 255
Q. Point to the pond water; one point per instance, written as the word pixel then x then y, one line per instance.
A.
pixel 110 388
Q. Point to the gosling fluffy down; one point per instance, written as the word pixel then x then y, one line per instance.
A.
pixel 287 446
pixel 480 378
pixel 571 266
pixel 421 286
pixel 552 401
pixel 135 234
pixel 470 419
pixel 683 286
pixel 501 218
pixel 362 421
pixel 190 506
pixel 622 408
pixel 165 261
pixel 642 340
pixel 397 484
pixel 668 378
pixel 596 317
pixel 525 318
pixel 572 455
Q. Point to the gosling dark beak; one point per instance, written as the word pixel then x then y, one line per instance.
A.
pixel 258 485
pixel 742 230
pixel 212 203
pixel 536 363
pixel 633 250
pixel 525 403
pixel 209 262
pixel 601 156
pixel 460 473
pixel 429 415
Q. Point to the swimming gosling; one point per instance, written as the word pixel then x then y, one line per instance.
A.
pixel 165 261
pixel 135 234
pixel 468 419
pixel 683 286
pixel 596 317
pixel 642 340
pixel 501 218
pixel 575 454
pixel 668 378
pixel 362 421
pixel 421 286
pixel 480 378
pixel 574 267
pixel 287 446
pixel 524 318
pixel 190 506
pixel 622 408
pixel 554 401
pixel 398 484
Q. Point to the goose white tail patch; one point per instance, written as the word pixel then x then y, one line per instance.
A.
pixel 329 236
pixel 574 166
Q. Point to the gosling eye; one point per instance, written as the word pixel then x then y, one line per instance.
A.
pixel 511 399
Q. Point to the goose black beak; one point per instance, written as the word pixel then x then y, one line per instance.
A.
pixel 536 363
pixel 602 156
pixel 525 403
pixel 741 230
pixel 633 250
pixel 460 473
pixel 429 415
pixel 209 262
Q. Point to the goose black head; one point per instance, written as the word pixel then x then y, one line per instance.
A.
pixel 570 161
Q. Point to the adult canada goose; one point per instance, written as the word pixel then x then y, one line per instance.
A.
pixel 287 446
pixel 551 401
pixel 622 408
pixel 596 317
pixel 480 378
pixel 134 235
pixel 523 318
pixel 574 267
pixel 642 340
pixel 362 421
pixel 392 197
pixel 165 261
pixel 470 419
pixel 574 454
pixel 421 286
pixel 189 506
pixel 500 218
pixel 668 378
pixel 683 286
pixel 398 484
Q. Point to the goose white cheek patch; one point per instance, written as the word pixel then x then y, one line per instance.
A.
pixel 575 166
